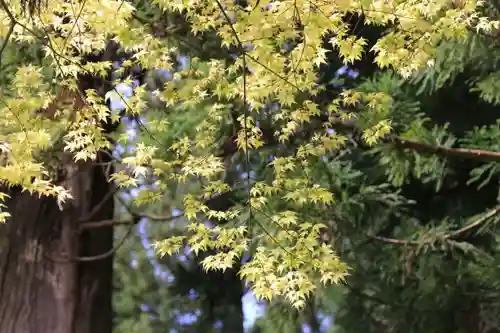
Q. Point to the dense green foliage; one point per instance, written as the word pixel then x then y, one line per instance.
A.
pixel 289 173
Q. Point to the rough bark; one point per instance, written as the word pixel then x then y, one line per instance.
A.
pixel 43 287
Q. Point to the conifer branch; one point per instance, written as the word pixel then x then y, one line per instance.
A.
pixel 477 154
pixel 475 223
pixel 420 147
pixel 393 240
pixel 448 236
pixel 229 147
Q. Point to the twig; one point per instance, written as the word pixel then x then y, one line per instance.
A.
pixel 154 217
pixel 138 216
pixel 7 38
pixel 111 251
pixel 13 23
pixel 102 224
pixel 447 236
pixel 393 240
pixel 478 154
pixel 475 223
pixel 101 256
pixel 7 11
pixel 98 207
pixel 245 104
pixel 230 148
pixel 400 143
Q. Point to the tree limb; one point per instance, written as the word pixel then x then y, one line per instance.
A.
pixel 229 147
pixel 103 223
pixel 475 223
pixel 420 147
pixel 393 240
pixel 107 223
pixel 448 236
pixel 109 253
pixel 476 154
pixel 101 256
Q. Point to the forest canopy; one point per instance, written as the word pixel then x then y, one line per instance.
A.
pixel 252 96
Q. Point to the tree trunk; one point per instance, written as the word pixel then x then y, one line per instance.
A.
pixel 45 287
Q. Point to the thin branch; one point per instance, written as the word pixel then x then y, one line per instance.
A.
pixel 245 105
pixel 400 143
pixel 211 202
pixel 229 148
pixel 103 223
pixel 111 251
pixel 13 23
pixel 448 236
pixel 477 154
pixel 163 218
pixel 98 207
pixel 393 240
pixel 7 11
pixel 138 216
pixel 475 223
pixel 101 256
